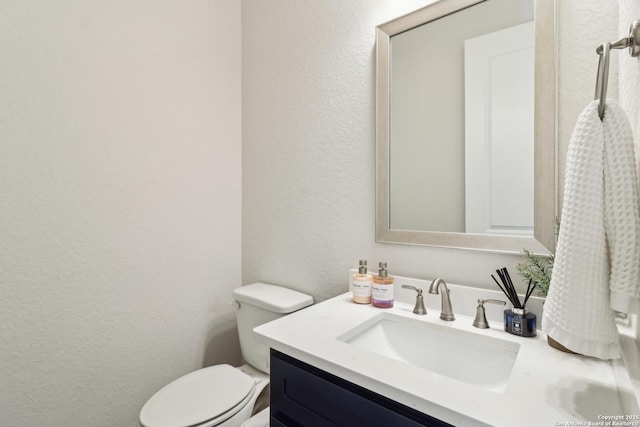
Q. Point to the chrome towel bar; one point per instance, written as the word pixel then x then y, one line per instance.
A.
pixel 632 41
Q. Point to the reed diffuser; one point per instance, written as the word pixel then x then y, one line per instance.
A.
pixel 517 321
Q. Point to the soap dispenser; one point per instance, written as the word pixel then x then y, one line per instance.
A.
pixel 382 288
pixel 361 284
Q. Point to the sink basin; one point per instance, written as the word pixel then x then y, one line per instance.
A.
pixel 465 356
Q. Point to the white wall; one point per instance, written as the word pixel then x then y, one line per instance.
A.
pixel 629 71
pixel 578 61
pixel 120 202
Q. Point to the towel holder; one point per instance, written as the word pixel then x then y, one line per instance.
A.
pixel 632 41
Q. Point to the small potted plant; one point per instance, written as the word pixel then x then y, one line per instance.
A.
pixel 538 269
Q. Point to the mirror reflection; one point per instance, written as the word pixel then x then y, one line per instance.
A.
pixel 466 120
pixel 461 122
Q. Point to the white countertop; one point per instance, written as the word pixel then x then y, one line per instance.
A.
pixel 546 388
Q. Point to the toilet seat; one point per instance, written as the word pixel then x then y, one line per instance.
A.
pixel 209 395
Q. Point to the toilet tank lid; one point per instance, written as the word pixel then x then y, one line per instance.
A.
pixel 273 298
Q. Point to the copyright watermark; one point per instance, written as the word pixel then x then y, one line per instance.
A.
pixel 604 420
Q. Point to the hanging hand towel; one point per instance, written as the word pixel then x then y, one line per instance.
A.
pixel 622 210
pixel 597 264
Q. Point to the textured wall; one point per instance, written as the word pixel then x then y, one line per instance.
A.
pixel 629 75
pixel 308 150
pixel 119 204
pixel 578 61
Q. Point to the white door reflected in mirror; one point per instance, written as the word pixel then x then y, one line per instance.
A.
pixel 499 131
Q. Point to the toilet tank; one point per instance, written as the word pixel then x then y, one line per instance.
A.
pixel 257 304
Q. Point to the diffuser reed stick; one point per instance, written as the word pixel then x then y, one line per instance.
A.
pixel 530 288
pixel 509 289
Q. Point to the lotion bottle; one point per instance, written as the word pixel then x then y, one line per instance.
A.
pixel 361 284
pixel 382 288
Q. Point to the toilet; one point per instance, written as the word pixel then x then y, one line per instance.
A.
pixel 222 395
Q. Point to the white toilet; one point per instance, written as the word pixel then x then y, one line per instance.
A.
pixel 222 395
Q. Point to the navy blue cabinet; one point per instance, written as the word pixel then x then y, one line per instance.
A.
pixel 305 396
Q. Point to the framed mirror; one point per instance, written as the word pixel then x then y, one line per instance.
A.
pixel 466 126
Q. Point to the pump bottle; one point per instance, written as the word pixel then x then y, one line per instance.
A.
pixel 361 284
pixel 382 288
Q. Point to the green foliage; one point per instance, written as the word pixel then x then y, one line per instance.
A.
pixel 537 269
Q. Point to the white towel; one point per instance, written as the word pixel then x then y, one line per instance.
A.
pixel 597 264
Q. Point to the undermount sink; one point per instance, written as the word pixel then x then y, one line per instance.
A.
pixel 465 356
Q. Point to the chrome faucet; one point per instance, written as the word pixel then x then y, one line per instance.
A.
pixel 439 286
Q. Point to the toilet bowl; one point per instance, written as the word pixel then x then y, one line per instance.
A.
pixel 219 395
pixel 223 395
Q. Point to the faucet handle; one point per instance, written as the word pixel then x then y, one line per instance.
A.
pixel 481 319
pixel 419 307
pixel 412 287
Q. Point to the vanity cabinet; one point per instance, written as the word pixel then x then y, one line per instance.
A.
pixel 305 396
